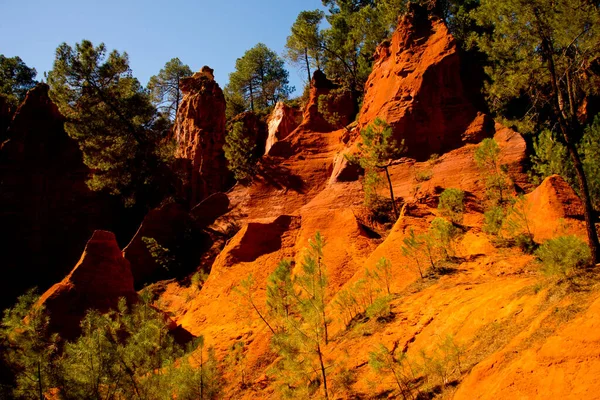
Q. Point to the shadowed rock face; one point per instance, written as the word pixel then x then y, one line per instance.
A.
pixel 47 212
pixel 200 134
pixel 101 277
pixel 416 86
pixel 339 103
pixel 5 117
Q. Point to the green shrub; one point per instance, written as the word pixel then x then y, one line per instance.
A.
pixel 424 175
pixel 380 309
pixel 492 220
pixel 563 254
pixel 239 151
pixel 452 205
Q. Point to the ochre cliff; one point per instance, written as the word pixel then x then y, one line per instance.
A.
pixel 199 133
pixel 101 277
pixel 493 303
pixel 417 87
pixel 486 325
pixel 47 211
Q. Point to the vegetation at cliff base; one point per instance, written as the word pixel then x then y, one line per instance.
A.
pixel 112 118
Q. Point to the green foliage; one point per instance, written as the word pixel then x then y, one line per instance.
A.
pixel 563 255
pixel 281 294
pixel 589 149
pixel 424 175
pixel 551 157
pixel 111 116
pixel 324 103
pixel 304 45
pixel 375 152
pixel 127 353
pixel 369 296
pixel 198 278
pixel 246 290
pixel 161 255
pixel 16 78
pixel 387 363
pixel 259 79
pixel 412 248
pixel 28 348
pixel 301 367
pixel 452 205
pixel 443 235
pixel 355 29
pixel 492 220
pixel 497 182
pixel 198 376
pixel 443 362
pixel 515 41
pixel 236 360
pixel 164 87
pixel 240 152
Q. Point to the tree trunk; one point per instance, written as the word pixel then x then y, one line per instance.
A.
pixel 177 98
pixel 40 388
pixel 387 174
pixel 566 133
pixel 323 374
pixel 307 64
pixel 251 98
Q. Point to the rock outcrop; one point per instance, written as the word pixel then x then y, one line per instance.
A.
pixel 168 225
pixel 417 87
pixel 47 212
pixel 554 209
pixel 101 277
pixel 282 121
pixel 339 104
pixel 200 134
pixel 181 234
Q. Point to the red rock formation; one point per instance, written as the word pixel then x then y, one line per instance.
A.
pixel 339 103
pixel 416 86
pixel 282 121
pixel 200 134
pixel 101 277
pixel 179 231
pixel 553 209
pixel 46 209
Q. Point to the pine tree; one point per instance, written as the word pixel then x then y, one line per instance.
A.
pixel 111 116
pixel 304 45
pixel 259 78
pixel 164 87
pixel 545 52
pixel 240 152
pixel 377 152
pixel 16 78
pixel 302 368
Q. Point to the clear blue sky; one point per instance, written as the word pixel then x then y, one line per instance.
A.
pixel 213 33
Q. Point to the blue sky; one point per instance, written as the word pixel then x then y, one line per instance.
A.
pixel 213 33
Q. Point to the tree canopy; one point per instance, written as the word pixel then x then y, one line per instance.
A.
pixel 164 87
pixel 259 79
pixel 111 116
pixel 16 78
pixel 304 44
pixel 543 55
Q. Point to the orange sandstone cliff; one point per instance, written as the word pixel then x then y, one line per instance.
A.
pixel 513 333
